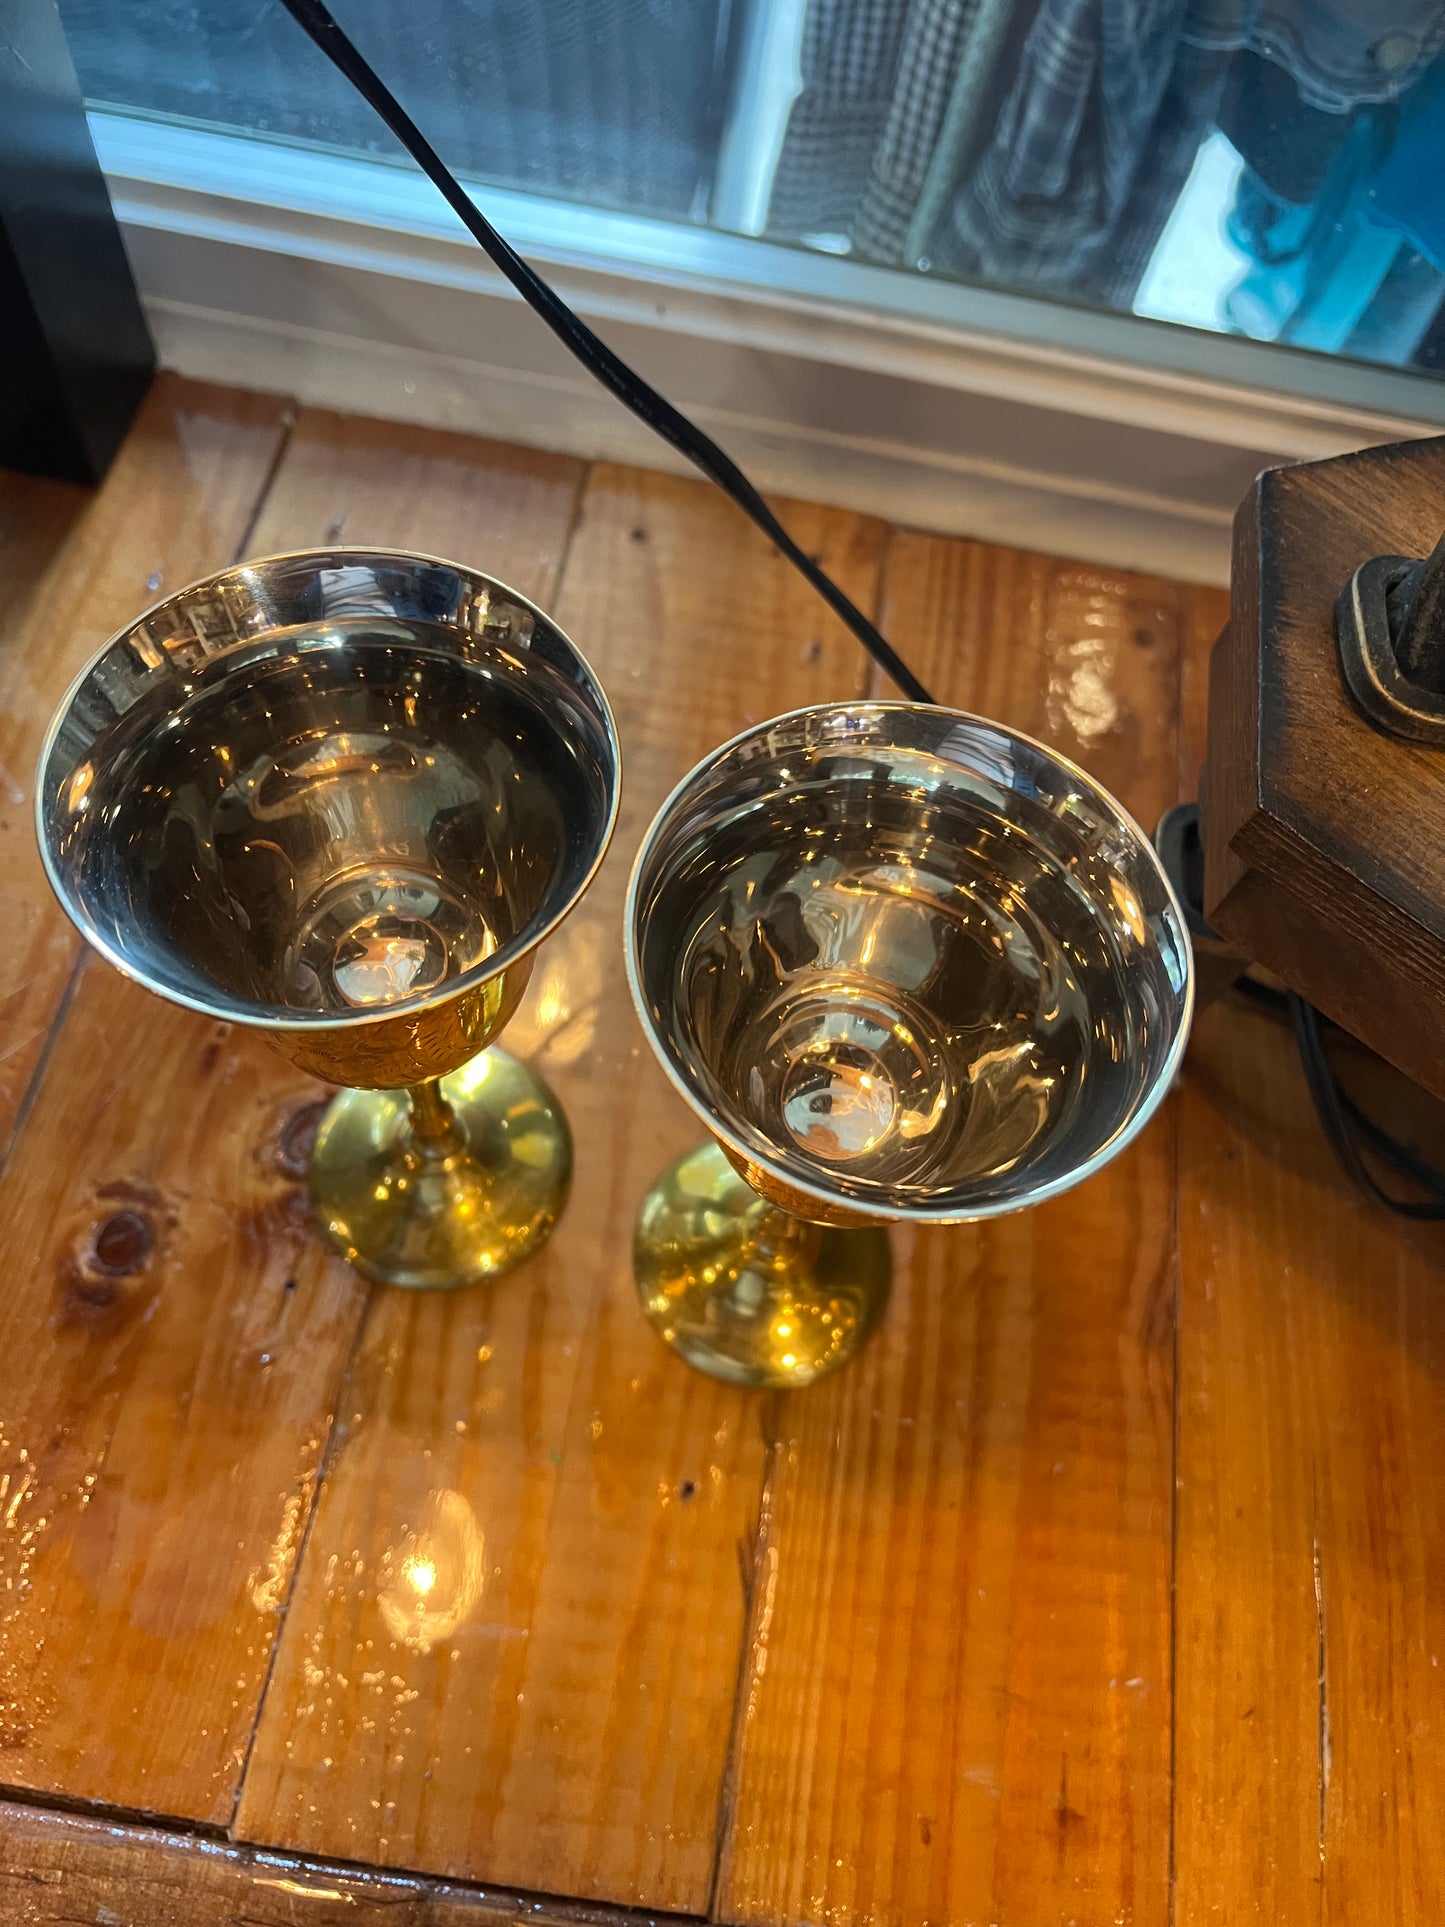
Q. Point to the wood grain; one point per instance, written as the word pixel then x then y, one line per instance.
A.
pixel 561 1719
pixel 164 1424
pixel 61 1869
pixel 1204 613
pixel 1311 1526
pixel 74 567
pixel 352 481
pixel 171 1341
pixel 957 1698
pixel 1310 1743
pixel 930 1680
pixel 154 1478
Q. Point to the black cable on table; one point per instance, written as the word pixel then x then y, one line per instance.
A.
pixel 1337 1114
pixel 1341 1119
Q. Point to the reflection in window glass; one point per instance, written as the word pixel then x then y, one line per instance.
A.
pixel 1270 168
pixel 614 102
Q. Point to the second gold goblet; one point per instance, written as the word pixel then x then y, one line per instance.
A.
pixel 905 965
pixel 341 797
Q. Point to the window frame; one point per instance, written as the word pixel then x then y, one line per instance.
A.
pixel 346 282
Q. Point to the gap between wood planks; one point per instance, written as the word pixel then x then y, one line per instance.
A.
pixel 772 1433
pixel 754 1557
pixel 159 1836
pixel 771 1416
pixel 334 533
pixel 286 428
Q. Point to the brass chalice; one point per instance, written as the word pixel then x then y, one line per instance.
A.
pixel 905 964
pixel 340 797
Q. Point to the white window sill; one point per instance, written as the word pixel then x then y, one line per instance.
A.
pixel 349 284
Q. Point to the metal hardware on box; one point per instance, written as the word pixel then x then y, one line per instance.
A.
pixel 1389 621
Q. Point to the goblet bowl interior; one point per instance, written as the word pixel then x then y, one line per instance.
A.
pixel 325 783
pixel 903 959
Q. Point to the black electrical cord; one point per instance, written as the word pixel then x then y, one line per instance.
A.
pixel 1338 1113
pixel 1342 1120
pixel 590 349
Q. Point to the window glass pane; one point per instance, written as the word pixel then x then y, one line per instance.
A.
pixel 1269 168
pixel 617 102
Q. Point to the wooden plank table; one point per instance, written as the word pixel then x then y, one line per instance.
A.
pixel 1103 1589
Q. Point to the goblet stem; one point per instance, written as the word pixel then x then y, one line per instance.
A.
pixel 434 1126
pixel 447 1183
pixel 773 1245
pixel 745 1291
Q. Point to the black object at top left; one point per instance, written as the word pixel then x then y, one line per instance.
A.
pixel 77 356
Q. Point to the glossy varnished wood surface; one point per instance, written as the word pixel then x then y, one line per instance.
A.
pixel 64 1869
pixel 158 1448
pixel 1310 1628
pixel 1102 1589
pixel 571 1732
pixel 170 1352
pixel 957 1685
pixel 74 565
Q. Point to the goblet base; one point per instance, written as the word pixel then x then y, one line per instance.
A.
pixel 433 1212
pixel 743 1291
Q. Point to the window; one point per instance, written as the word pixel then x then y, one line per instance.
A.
pixel 618 103
pixel 990 198
pixel 1270 171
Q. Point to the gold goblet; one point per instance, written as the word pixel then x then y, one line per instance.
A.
pixel 340 797
pixel 904 964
